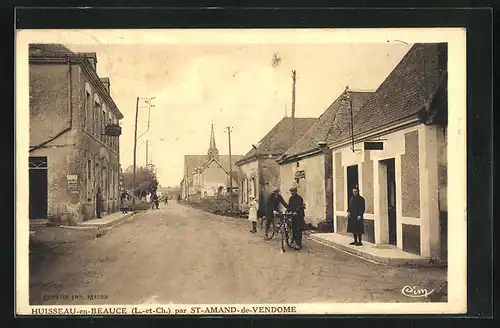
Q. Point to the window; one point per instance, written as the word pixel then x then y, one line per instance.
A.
pixel 85 115
pixel 250 188
pixel 89 179
pixel 254 187
pixel 97 127
pixel 352 179
pixel 103 124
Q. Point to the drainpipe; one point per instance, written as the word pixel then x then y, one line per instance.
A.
pixel 70 109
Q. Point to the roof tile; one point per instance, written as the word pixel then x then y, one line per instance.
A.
pixel 403 93
pixel 281 137
pixel 334 118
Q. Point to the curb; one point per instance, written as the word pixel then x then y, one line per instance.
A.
pixel 108 225
pixel 380 259
pixel 120 221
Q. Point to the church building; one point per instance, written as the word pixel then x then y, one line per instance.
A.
pixel 210 174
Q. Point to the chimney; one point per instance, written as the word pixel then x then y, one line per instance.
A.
pixel 293 94
pixel 91 57
pixel 105 81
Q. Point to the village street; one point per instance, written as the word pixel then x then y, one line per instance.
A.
pixel 181 255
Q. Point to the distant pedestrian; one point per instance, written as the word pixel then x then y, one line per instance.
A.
pixel 296 205
pixel 356 211
pixel 165 199
pixel 148 198
pixel 125 201
pixel 252 213
pixel 99 202
pixel 154 200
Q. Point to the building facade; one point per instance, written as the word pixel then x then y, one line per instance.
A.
pixel 258 170
pixel 396 153
pixel 74 136
pixel 307 165
pixel 208 175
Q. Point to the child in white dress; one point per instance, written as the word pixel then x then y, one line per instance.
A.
pixel 252 213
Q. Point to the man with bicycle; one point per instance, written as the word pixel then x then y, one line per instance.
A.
pixel 296 205
pixel 273 205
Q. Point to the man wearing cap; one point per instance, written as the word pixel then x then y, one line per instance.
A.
pixel 355 210
pixel 296 205
pixel 272 205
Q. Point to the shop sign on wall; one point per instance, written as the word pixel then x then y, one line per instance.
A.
pixel 72 183
pixel 300 174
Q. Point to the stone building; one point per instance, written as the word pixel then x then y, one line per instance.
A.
pixel 258 170
pixel 74 136
pixel 399 158
pixel 307 164
pixel 208 175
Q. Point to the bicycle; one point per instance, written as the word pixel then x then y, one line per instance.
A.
pixel 284 227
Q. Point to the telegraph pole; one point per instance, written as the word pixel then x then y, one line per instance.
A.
pixel 148 100
pixel 135 149
pixel 294 78
pixel 230 168
pixel 147 143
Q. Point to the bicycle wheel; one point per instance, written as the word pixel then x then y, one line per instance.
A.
pixel 284 237
pixel 289 234
pixel 270 233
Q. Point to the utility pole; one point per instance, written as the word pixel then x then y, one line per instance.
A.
pixel 148 100
pixel 135 149
pixel 294 77
pixel 147 143
pixel 230 168
pixel 347 97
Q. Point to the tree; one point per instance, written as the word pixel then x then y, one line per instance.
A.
pixel 145 181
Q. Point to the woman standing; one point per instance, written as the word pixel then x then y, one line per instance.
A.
pixel 252 213
pixel 124 199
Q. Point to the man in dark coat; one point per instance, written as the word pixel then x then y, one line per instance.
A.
pixel 99 202
pixel 355 211
pixel 296 205
pixel 273 204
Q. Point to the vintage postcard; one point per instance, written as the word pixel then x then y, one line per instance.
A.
pixel 241 172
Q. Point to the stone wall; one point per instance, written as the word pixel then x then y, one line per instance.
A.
pixel 311 188
pixel 49 101
pixel 410 176
pixel 56 90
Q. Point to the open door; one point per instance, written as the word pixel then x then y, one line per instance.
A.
pixel 391 200
pixel 38 188
pixel 352 180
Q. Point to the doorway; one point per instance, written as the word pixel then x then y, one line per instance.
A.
pixel 391 200
pixel 38 188
pixel 352 180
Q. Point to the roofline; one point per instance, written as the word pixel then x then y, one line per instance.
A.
pixel 406 122
pixel 296 157
pixel 412 119
pixel 83 62
pixel 256 157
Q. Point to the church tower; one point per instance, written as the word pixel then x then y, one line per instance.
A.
pixel 213 152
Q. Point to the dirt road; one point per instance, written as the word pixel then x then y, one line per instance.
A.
pixel 181 255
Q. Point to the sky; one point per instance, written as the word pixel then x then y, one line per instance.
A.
pixel 228 84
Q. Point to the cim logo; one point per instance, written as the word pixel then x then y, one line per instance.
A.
pixel 415 291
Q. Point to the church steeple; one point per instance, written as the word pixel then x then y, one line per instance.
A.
pixel 212 150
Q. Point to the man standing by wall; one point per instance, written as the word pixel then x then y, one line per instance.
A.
pixel 296 205
pixel 355 211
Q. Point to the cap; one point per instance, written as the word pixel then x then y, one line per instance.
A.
pixel 293 189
